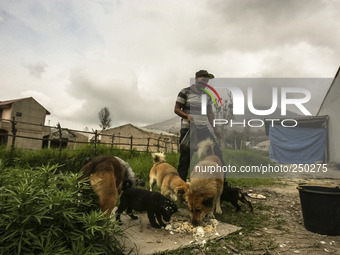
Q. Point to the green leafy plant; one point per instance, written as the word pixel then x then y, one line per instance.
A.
pixel 45 211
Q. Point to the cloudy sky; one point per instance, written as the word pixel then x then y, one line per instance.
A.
pixel 78 56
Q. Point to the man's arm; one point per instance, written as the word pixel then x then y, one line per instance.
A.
pixel 181 113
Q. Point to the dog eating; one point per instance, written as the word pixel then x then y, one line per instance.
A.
pixel 233 195
pixel 107 177
pixel 205 189
pixel 167 178
pixel 155 204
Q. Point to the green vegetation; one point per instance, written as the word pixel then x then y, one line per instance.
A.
pixel 46 210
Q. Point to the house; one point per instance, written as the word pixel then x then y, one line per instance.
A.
pixel 68 138
pixel 330 106
pixel 29 117
pixel 129 136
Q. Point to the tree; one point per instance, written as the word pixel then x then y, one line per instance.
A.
pixel 104 117
pixel 225 112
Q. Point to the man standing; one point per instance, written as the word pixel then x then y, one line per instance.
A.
pixel 188 107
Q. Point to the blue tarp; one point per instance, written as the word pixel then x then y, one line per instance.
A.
pixel 290 145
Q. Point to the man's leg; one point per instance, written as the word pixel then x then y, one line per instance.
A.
pixel 184 159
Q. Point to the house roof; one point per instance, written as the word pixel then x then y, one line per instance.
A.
pixel 8 103
pixel 158 132
pixel 65 133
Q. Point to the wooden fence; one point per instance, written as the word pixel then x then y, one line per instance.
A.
pixel 60 138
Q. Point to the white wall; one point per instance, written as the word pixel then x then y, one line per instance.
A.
pixel 331 107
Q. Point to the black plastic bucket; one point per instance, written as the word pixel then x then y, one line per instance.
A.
pixel 320 208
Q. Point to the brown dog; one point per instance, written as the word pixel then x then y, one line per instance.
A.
pixel 106 175
pixel 206 184
pixel 167 178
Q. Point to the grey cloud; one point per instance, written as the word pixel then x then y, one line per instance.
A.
pixel 36 70
pixel 262 24
pixel 122 98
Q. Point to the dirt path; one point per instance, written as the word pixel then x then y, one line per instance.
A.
pixel 292 237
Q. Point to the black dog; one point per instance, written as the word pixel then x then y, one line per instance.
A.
pixel 232 195
pixel 155 204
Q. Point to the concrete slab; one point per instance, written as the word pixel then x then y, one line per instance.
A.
pixel 179 233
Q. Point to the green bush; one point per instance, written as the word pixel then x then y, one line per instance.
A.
pixel 44 211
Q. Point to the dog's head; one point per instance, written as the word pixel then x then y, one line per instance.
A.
pixel 199 205
pixel 168 209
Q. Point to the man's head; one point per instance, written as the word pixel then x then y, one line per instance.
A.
pixel 202 77
pixel 204 73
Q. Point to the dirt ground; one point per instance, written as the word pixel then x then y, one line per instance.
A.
pixel 144 239
pixel 283 233
pixel 292 237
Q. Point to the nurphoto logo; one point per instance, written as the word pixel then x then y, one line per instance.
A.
pixel 280 97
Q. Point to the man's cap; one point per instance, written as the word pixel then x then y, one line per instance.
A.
pixel 204 73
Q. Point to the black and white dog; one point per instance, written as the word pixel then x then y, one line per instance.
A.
pixel 155 204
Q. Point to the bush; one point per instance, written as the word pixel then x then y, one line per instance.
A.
pixel 45 212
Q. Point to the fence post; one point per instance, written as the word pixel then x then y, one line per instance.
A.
pixel 148 144
pixel 166 143
pixel 60 138
pixel 158 144
pixel 112 140
pixel 131 143
pixel 14 133
pixel 95 142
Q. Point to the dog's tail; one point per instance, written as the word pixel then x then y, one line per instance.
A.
pixel 158 158
pixel 205 148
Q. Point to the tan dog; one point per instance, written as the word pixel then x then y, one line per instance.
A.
pixel 106 175
pixel 167 178
pixel 205 188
